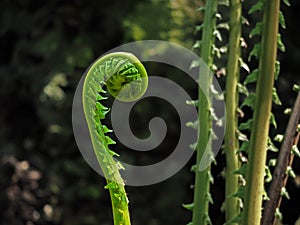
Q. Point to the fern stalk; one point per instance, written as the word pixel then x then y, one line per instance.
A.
pixel 202 178
pixel 231 140
pixel 126 79
pixel 262 109
pixel 120 210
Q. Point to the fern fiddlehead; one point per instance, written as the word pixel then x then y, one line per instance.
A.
pixel 125 78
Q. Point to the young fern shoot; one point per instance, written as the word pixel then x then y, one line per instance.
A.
pixel 125 78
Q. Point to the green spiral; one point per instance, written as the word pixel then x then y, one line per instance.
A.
pixel 125 78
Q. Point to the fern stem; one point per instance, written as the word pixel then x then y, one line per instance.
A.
pixel 231 141
pixel 119 208
pixel 99 73
pixel 260 126
pixel 202 178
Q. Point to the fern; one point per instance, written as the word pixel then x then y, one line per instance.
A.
pixel 126 79
pixel 231 139
pixel 262 111
pixel 202 196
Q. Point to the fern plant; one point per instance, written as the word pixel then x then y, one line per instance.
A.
pixel 125 78
pixel 262 113
pixel 202 196
pixel 254 170
pixel 231 143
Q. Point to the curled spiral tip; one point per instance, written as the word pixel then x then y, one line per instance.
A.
pixel 125 76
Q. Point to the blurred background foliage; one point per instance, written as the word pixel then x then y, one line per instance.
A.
pixel 45 47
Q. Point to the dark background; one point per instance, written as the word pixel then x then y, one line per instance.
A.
pixel 45 47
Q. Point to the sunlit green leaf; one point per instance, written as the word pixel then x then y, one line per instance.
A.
pixel 242 137
pixel 244 65
pixel 247 125
pixel 287 2
pixel 296 87
pixel 217 34
pixel 216 51
pixel 193 146
pixel 287 111
pixel 106 129
pixel 223 49
pixel 278 214
pixel 271 146
pixel 282 20
pixel 215 93
pixel 275 97
pixel 252 77
pixel 199 28
pixel 249 101
pixel 193 168
pixel 242 170
pixel 113 153
pixel 268 175
pixel 277 69
pixel 210 177
pixel 109 141
pixel 296 151
pixel 245 21
pixel 202 8
pixel 242 89
pixel 284 193
pixel 194 124
pixel 244 147
pixel 194 64
pixel 257 30
pixel 278 138
pixel 192 102
pixel 197 44
pixel 188 206
pixel 273 120
pixel 207 219
pixel 209 198
pixel 280 44
pixel 290 172
pixel 265 195
pixel 272 162
pixel 255 51
pixel 223 26
pixel 257 7
pixel 111 185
